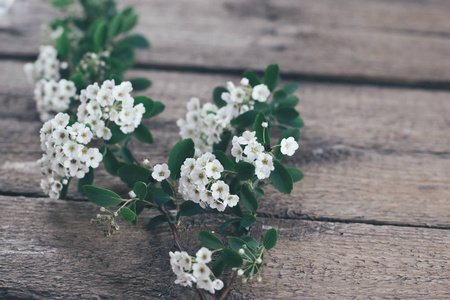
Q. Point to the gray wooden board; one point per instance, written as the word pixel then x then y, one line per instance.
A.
pixel 369 154
pixel 50 251
pixel 388 40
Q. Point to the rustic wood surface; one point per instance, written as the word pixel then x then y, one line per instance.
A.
pixel 404 41
pixel 50 251
pixel 370 219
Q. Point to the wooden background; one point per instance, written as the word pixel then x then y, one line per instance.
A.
pixel 371 218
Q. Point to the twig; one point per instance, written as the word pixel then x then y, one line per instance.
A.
pixel 233 279
pixel 164 211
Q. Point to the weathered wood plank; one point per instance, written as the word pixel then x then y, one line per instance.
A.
pixel 396 120
pixel 368 154
pixel 399 40
pixel 49 250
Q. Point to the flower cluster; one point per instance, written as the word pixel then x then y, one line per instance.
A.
pixel 205 124
pixel 191 269
pixel 200 182
pixel 53 96
pixel 66 154
pixel 253 153
pixel 110 102
pixel 46 66
pixel 93 65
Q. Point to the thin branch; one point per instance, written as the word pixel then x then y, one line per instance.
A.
pixel 233 279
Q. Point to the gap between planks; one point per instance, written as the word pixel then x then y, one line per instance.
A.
pixel 343 79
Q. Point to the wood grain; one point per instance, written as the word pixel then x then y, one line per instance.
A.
pixel 403 40
pixel 49 250
pixel 369 154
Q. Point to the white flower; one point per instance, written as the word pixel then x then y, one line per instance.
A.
pixel 288 146
pixel 232 200
pixel 237 151
pixel 92 91
pixel 193 104
pixel 264 124
pixel 132 194
pixel 220 190
pixel 185 261
pixel 252 150
pixel 105 97
pixel 206 284
pixel 260 93
pixel 160 172
pixel 203 255
pixel 263 165
pixel 217 284
pixel 244 81
pixel 247 137
pixel 201 271
pixel 214 169
pixel 84 135
pixel 185 279
pixel 237 95
pixel 199 177
pixel 94 157
pixel 122 90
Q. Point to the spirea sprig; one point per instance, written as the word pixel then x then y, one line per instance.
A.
pixel 66 153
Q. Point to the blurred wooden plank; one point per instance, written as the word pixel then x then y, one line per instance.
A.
pixel 49 250
pixel 369 154
pixel 380 40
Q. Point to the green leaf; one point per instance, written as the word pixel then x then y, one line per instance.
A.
pixel 110 161
pixel 143 134
pixel 262 134
pixel 281 178
pixel 292 132
pixel 129 22
pixel 123 53
pixel 101 34
pixel 62 3
pixel 131 173
pixel 290 88
pixel 248 220
pixel 189 208
pixel 140 189
pixel 102 197
pixel 236 243
pixel 117 135
pixel 297 122
pixel 290 102
pixel 180 152
pixel 126 154
pixel 218 266
pixel 278 97
pixel 128 214
pixel 136 41
pixel 88 179
pixel 232 258
pixel 210 240
pixel 78 80
pixel 217 96
pixel 148 103
pixel 245 120
pixel 114 25
pixel 225 138
pixel 156 221
pixel 65 189
pixel 224 160
pixel 258 191
pixel 252 78
pixel 271 76
pixel 140 83
pixel 159 107
pixel 248 198
pixel 244 170
pixel 270 239
pixel 159 197
pixel 250 241
pixel 167 188
pixel 228 223
pixel 296 174
pixel 63 45
pixel 237 211
pixel 286 114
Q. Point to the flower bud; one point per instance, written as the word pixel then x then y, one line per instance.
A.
pixel 258 260
pixel 240 272
pixel 132 194
pixel 259 279
pixel 241 251
pixel 102 209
